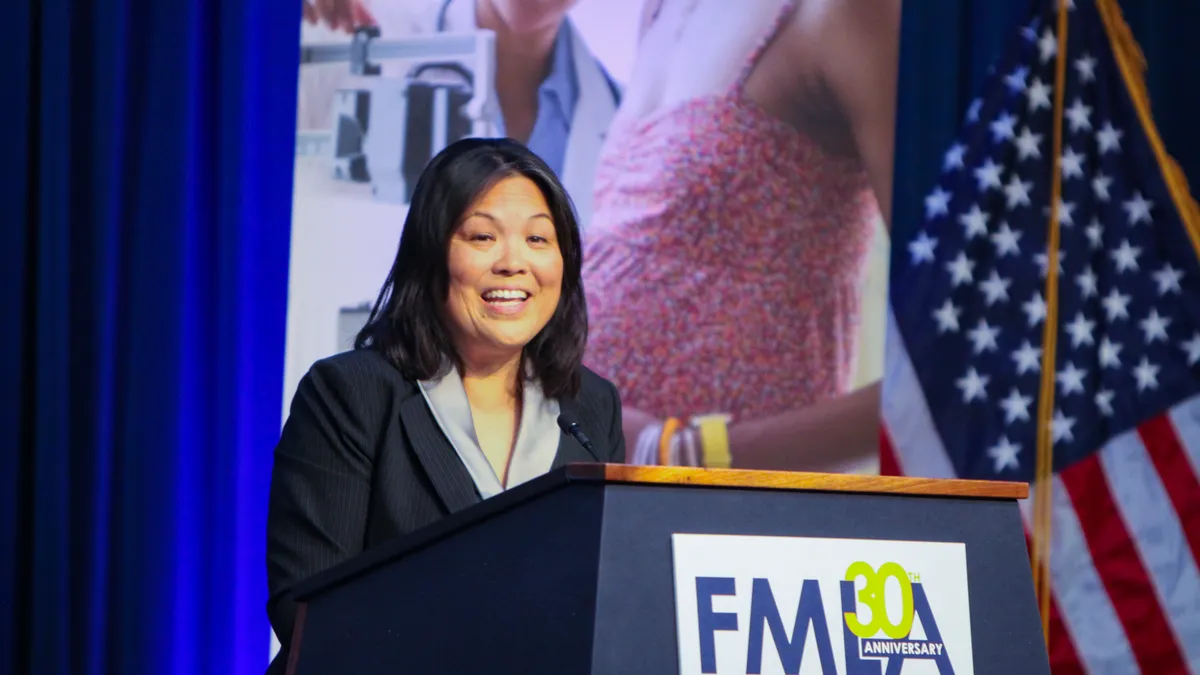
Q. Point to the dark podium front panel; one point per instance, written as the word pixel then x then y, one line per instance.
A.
pixel 513 593
pixel 569 576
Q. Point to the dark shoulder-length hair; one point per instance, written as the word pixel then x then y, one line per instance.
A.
pixel 407 322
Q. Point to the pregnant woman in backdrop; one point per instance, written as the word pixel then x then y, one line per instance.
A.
pixel 735 202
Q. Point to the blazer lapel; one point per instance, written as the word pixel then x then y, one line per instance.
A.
pixel 569 449
pixel 450 478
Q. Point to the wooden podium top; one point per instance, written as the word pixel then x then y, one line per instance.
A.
pixel 792 480
pixel 742 479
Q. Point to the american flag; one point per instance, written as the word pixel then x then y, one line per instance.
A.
pixel 967 311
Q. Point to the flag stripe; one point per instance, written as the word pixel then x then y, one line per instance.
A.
pixel 888 466
pixel 918 446
pixel 1064 659
pixel 1154 529
pixel 1120 568
pixel 1163 442
pixel 1185 417
pixel 1170 459
pixel 1088 615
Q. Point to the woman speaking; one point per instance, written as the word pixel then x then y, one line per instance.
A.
pixel 455 387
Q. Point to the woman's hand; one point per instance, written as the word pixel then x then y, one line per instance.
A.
pixel 634 421
pixel 343 15
pixel 831 435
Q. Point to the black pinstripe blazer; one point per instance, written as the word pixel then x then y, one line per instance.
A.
pixel 361 460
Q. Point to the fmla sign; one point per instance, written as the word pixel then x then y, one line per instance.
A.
pixel 820 606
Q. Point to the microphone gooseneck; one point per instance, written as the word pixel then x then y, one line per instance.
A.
pixel 570 426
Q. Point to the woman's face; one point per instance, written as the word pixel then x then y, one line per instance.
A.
pixel 506 271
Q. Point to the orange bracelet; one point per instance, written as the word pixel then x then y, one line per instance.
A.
pixel 664 441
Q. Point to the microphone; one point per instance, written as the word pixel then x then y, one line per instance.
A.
pixel 570 425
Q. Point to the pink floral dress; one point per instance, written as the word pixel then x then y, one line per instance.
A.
pixel 724 261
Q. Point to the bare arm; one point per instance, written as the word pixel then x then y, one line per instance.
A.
pixel 340 15
pixel 860 59
pixel 821 437
pixel 650 9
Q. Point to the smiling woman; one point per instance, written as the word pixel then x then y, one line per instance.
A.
pixel 457 383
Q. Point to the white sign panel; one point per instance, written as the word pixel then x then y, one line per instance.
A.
pixel 812 606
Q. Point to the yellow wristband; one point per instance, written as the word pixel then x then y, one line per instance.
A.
pixel 714 440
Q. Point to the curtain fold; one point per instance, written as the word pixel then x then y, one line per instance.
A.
pixel 143 290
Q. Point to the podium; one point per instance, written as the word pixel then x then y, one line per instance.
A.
pixel 625 570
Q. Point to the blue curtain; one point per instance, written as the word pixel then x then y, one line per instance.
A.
pixel 947 46
pixel 146 184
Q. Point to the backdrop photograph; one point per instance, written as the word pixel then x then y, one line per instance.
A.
pixel 736 252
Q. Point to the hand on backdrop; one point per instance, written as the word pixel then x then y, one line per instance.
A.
pixel 342 15
pixel 634 421
pixel 831 435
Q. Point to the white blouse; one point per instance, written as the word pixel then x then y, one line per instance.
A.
pixel 537 436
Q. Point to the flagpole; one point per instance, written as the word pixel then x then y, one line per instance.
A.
pixel 1044 472
pixel 1132 63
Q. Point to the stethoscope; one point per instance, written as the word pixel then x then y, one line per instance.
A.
pixel 440 26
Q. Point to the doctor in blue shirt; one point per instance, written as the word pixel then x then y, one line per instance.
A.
pixel 554 94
